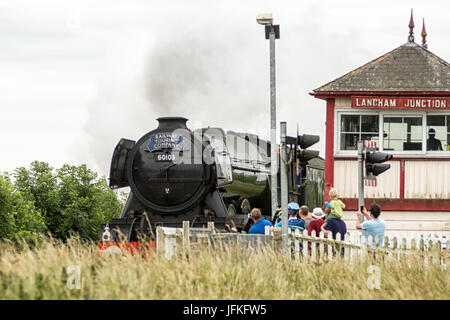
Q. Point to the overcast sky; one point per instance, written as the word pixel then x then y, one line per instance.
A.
pixel 76 76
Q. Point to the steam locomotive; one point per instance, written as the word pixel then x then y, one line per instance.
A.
pixel 176 174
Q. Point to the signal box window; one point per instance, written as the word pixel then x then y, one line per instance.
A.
pixel 438 133
pixel 358 127
pixel 402 134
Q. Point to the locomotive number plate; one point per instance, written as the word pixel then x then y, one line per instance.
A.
pixel 165 157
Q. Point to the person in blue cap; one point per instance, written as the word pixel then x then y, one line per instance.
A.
pixel 294 222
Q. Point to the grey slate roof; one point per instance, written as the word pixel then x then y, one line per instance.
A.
pixel 409 67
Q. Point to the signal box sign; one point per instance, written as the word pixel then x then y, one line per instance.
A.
pixel 387 102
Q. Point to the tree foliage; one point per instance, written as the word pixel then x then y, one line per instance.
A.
pixel 19 218
pixel 71 199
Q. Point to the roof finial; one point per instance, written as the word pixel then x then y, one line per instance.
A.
pixel 411 27
pixel 424 35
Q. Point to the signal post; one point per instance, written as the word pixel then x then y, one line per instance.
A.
pixel 372 160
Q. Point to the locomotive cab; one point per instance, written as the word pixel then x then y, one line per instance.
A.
pixel 219 154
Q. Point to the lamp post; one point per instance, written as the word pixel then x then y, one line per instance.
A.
pixel 272 33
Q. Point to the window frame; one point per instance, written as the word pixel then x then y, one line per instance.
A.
pixel 337 130
pixel 444 151
pixel 389 113
pixel 408 115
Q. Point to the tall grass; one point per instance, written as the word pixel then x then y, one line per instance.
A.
pixel 41 272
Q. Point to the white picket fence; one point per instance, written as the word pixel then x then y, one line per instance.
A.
pixel 311 248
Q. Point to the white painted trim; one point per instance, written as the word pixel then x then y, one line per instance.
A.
pixel 401 115
pixel 337 131
pixel 338 112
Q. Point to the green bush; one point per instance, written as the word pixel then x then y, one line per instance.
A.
pixel 19 218
pixel 71 199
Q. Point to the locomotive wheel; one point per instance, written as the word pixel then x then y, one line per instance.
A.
pixel 232 210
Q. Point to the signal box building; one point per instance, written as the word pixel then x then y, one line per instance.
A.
pixel 400 101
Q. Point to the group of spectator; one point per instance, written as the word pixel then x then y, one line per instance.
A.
pixel 327 220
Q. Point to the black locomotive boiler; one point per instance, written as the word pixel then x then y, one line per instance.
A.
pixel 176 174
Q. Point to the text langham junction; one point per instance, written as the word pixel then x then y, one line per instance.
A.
pixel 400 103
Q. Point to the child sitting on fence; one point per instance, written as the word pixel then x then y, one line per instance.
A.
pixel 337 207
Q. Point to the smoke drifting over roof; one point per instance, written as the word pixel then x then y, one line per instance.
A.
pixel 212 76
pixel 210 64
pixel 214 72
pixel 205 77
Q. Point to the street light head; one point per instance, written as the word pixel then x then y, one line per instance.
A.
pixel 264 19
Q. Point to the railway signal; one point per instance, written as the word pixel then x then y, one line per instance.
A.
pixel 305 141
pixel 301 158
pixel 374 162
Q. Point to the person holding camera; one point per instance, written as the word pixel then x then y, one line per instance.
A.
pixel 374 226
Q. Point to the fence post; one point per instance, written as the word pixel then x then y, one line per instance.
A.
pixel 160 241
pixel 289 236
pixel 377 241
pixel 179 237
pixel 313 246
pixel 276 240
pixel 403 246
pixel 431 249
pixel 370 244
pixel 321 247
pixel 296 244
pixel 387 245
pixel 421 243
pixel 413 244
pixel 422 249
pixel 437 252
pixel 353 250
pixel 387 242
pixel 338 246
pixel 395 246
pixel 305 245
pixel 403 243
pixel 211 228
pixel 363 252
pixel 346 247
pixel 440 255
pixel 445 255
pixel 186 236
pixel 330 246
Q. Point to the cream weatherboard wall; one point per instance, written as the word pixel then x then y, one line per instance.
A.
pixel 427 179
pixel 346 181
